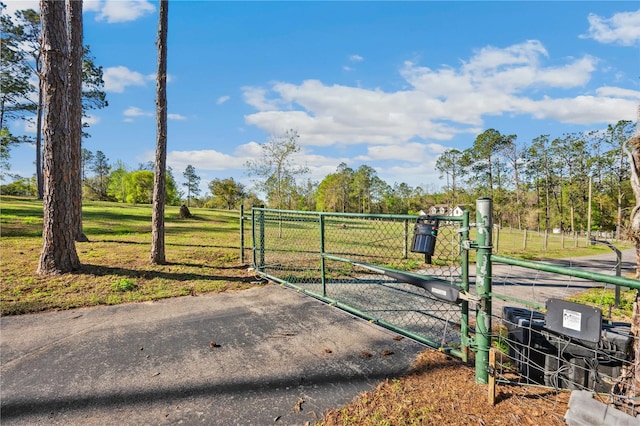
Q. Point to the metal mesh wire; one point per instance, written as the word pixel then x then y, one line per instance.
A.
pixel 321 254
pixel 529 353
pixel 289 247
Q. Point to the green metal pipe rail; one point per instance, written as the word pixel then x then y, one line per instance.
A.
pixel 348 308
pixel 563 270
pixel 258 227
pixel 480 343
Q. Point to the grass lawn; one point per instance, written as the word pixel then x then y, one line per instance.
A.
pixel 203 254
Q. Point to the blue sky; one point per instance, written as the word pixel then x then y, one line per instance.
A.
pixel 388 84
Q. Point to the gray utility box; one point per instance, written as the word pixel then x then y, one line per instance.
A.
pixel 546 357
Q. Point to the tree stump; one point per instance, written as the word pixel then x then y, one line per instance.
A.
pixel 184 212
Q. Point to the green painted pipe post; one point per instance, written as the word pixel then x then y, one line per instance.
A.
pixel 261 220
pixel 253 236
pixel 242 234
pixel 322 261
pixel 464 263
pixel 484 225
pixel 405 249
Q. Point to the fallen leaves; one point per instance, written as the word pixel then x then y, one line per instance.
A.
pixel 442 390
pixel 298 406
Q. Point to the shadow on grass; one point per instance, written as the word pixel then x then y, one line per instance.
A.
pixel 169 244
pixel 200 265
pixel 100 270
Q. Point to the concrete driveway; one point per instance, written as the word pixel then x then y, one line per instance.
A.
pixel 262 356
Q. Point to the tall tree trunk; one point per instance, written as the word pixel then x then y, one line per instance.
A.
pixel 629 383
pixel 39 112
pixel 74 16
pixel 58 250
pixel 159 189
pixel 635 231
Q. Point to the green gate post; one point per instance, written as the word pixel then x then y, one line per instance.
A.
pixel 405 249
pixel 464 263
pixel 322 261
pixel 253 236
pixel 242 234
pixel 484 225
pixel 261 220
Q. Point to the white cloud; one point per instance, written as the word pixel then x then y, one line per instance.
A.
pixel 30 126
pixel 353 59
pixel 619 92
pixel 14 6
pixel 413 152
pixel 90 120
pixel 176 117
pixel 91 5
pixel 414 171
pixel 256 97
pixel 250 149
pixel 111 11
pixel 117 79
pixel 439 104
pixel 136 112
pixel 222 99
pixel 622 28
pixel 116 11
pixel 581 109
pixel 207 159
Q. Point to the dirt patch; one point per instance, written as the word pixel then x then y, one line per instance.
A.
pixel 442 390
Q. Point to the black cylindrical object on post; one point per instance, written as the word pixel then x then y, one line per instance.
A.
pixel 424 237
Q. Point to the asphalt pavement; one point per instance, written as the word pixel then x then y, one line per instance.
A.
pixel 537 286
pixel 264 356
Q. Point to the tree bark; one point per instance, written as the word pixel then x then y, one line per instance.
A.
pixel 39 178
pixel 159 180
pixel 58 250
pixel 74 16
pixel 635 237
pixel 628 384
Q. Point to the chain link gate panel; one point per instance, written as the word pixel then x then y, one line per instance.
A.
pixel 336 257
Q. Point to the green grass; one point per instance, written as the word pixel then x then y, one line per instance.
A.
pixel 203 255
pixel 605 300
pixel 531 245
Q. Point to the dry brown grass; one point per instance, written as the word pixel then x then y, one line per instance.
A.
pixel 442 391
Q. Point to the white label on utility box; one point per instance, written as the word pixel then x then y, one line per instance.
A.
pixel 571 319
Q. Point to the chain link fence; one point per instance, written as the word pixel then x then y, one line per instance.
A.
pixel 346 259
pixel 342 259
pixel 546 334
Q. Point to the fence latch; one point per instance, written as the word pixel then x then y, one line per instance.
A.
pixel 468 244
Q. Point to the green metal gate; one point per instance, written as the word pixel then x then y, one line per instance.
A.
pixel 364 264
pixel 346 260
